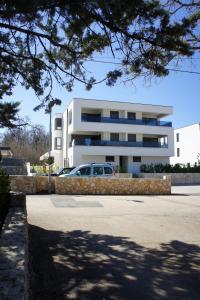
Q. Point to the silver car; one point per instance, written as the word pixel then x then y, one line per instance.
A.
pixel 92 170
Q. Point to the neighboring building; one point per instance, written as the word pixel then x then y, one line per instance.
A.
pixel 186 144
pixel 5 152
pixel 122 133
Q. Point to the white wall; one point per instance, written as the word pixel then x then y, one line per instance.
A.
pixel 189 144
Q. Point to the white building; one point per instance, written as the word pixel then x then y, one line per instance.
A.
pixel 186 144
pixel 123 133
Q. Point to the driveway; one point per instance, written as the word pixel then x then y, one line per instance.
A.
pixel 115 247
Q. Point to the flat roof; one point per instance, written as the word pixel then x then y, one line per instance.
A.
pixel 146 104
pixel 187 126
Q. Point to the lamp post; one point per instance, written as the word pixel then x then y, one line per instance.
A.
pixel 49 111
pixel 50 133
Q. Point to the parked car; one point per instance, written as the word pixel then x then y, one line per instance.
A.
pixel 63 171
pixel 91 170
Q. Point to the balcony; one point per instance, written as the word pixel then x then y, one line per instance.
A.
pixel 88 142
pixel 98 118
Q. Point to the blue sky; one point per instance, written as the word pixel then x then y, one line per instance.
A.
pixel 180 90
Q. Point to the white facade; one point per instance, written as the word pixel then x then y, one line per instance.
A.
pixel 126 134
pixel 186 144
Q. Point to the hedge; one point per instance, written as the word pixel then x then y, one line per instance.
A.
pixel 167 168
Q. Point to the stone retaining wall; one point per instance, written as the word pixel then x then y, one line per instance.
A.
pixel 112 186
pixel 14 255
pixel 101 186
pixel 176 178
pixel 31 184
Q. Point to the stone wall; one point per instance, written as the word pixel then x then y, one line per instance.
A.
pixel 31 184
pixel 99 186
pixel 112 186
pixel 176 178
pixel 14 279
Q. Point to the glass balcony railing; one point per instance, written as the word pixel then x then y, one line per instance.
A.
pixel 88 142
pixel 92 118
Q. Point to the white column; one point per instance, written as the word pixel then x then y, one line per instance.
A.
pixel 138 115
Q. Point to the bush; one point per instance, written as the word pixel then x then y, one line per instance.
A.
pixel 4 182
pixel 167 168
pixel 4 195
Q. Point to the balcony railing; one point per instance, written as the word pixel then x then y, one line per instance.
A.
pixel 88 142
pixel 92 118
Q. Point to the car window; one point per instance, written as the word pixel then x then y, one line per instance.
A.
pixel 66 171
pixel 85 171
pixel 107 170
pixel 97 171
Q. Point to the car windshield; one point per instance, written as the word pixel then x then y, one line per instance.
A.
pixel 59 170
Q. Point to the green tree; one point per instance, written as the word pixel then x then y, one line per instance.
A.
pixel 46 40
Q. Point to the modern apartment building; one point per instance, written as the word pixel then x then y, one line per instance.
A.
pixel 122 133
pixel 186 144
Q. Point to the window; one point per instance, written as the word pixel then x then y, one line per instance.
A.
pixel 97 171
pixel 136 158
pixel 131 115
pixel 70 117
pixel 58 143
pixel 114 137
pixel 107 171
pixel 177 137
pixel 178 152
pixel 114 114
pixel 131 137
pixel 58 124
pixel 110 158
pixel 85 171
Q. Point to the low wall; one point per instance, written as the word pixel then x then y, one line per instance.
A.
pixel 31 184
pixel 112 186
pixel 176 178
pixel 14 279
pixel 91 186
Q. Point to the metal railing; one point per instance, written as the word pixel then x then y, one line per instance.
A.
pixel 91 118
pixel 88 142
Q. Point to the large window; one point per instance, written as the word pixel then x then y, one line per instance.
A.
pixel 131 137
pixel 110 158
pixel 114 114
pixel 58 143
pixel 58 124
pixel 114 137
pixel 69 117
pixel 131 116
pixel 136 158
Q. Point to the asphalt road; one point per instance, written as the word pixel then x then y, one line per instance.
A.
pixel 115 247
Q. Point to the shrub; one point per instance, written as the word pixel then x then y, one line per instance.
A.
pixel 4 195
pixel 4 182
pixel 167 168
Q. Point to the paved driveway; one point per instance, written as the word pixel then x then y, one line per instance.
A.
pixel 115 247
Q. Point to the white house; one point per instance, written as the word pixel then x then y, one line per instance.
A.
pixel 186 144
pixel 122 133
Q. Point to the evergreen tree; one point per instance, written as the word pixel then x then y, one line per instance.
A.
pixel 46 40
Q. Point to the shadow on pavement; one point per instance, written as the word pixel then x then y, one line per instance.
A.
pixel 84 266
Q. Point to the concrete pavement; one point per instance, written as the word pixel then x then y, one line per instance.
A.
pixel 115 247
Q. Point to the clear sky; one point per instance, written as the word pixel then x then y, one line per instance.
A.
pixel 180 90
